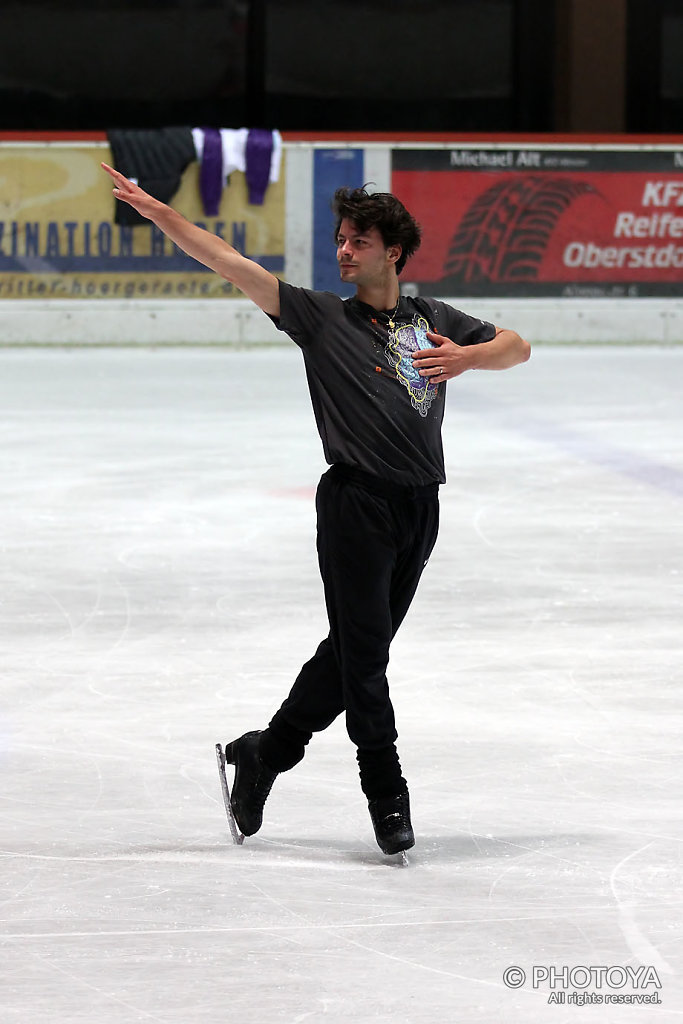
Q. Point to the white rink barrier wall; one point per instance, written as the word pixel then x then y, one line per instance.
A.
pixel 238 323
pixel 638 201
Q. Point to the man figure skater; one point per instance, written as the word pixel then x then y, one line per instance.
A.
pixel 377 366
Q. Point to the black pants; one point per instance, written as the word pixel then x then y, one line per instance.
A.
pixel 373 540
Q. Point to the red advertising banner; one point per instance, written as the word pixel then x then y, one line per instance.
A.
pixel 535 222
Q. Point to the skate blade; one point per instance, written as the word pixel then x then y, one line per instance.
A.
pixel 237 836
pixel 398 860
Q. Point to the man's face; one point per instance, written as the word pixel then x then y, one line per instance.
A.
pixel 362 256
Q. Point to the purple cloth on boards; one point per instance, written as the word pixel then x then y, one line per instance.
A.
pixel 258 156
pixel 211 172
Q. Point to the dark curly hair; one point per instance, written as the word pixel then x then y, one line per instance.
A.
pixel 383 211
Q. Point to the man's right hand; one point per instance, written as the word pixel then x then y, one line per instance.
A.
pixel 130 193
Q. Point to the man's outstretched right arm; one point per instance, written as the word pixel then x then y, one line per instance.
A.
pixel 257 283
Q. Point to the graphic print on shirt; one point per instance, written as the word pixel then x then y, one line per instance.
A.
pixel 401 346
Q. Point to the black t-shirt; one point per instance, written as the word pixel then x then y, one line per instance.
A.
pixel 372 408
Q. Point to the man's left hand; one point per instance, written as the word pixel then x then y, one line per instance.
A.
pixel 443 362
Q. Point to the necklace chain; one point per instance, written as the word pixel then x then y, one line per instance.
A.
pixel 390 316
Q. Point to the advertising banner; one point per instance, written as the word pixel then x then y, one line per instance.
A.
pixel 544 222
pixel 58 238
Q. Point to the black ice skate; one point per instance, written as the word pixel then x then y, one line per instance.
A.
pixel 253 782
pixel 391 821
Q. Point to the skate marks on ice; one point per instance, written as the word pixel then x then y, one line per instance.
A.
pixel 145 548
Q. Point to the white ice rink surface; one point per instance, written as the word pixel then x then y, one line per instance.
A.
pixel 159 593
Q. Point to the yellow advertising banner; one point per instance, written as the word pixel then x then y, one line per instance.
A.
pixel 59 239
